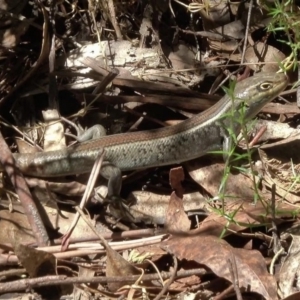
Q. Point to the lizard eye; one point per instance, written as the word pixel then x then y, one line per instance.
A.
pixel 265 86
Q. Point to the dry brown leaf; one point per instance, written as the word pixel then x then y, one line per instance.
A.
pixel 176 177
pixel 116 265
pixel 185 283
pixel 37 264
pixel 245 216
pixel 176 218
pixel 209 175
pixel 261 52
pixel 151 208
pixel 17 222
pixel 214 252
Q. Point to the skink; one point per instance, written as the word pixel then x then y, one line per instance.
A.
pixel 190 139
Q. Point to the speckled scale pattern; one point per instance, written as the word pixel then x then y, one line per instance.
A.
pixel 190 139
